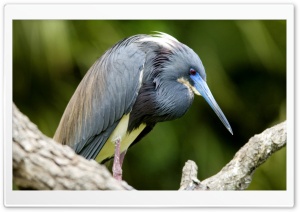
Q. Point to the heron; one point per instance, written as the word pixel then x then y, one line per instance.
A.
pixel 140 81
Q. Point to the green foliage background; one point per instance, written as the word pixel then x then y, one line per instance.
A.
pixel 245 62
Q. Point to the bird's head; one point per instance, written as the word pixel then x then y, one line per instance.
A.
pixel 177 62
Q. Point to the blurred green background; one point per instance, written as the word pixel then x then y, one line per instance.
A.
pixel 245 62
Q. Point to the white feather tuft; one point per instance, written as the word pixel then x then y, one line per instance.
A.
pixel 163 39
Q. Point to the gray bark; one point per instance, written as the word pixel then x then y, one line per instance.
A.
pixel 237 174
pixel 41 163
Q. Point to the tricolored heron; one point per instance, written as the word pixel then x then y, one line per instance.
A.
pixel 140 81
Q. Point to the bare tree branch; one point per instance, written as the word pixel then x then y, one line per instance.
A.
pixel 41 163
pixel 237 174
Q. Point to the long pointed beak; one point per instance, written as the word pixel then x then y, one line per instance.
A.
pixel 203 89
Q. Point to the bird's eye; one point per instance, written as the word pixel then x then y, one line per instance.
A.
pixel 192 71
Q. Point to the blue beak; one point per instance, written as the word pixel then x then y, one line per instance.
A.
pixel 203 89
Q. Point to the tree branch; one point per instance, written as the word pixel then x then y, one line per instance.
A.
pixel 41 163
pixel 237 174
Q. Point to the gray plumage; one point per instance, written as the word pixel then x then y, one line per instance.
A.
pixel 144 76
pixel 96 108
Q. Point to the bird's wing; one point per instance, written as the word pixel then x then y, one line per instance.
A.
pixel 105 94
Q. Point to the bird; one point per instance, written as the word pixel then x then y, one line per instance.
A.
pixel 140 81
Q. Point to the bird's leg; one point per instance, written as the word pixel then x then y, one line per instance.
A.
pixel 117 166
pixel 122 155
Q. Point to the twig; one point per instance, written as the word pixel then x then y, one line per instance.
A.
pixel 237 174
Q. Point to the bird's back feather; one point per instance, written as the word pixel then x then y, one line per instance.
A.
pixel 105 94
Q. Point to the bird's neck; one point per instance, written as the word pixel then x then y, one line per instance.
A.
pixel 157 103
pixel 173 99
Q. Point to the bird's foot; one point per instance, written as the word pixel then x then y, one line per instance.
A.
pixel 117 166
